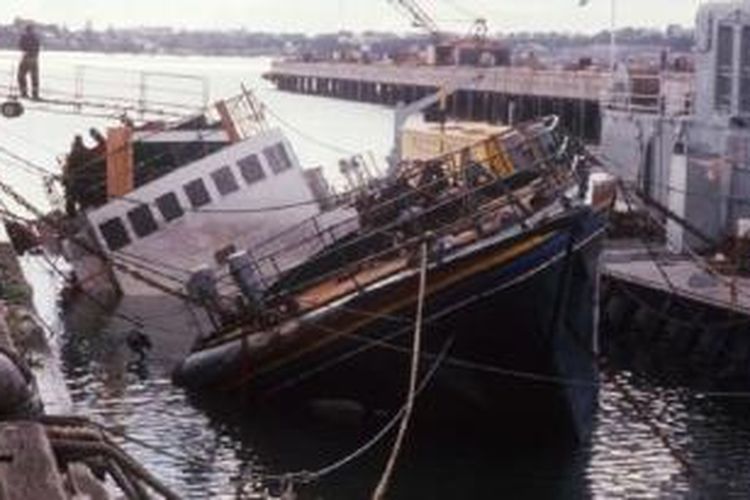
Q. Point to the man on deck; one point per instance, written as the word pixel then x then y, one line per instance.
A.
pixel 29 45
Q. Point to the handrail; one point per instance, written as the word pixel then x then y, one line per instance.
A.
pixel 386 230
pixel 413 174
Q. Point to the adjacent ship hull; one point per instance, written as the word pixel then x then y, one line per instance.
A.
pixel 516 318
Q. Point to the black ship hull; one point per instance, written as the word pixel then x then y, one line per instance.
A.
pixel 509 333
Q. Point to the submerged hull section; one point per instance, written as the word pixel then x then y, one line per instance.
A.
pixel 516 319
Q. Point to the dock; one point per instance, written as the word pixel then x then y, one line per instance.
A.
pixel 681 276
pixel 45 454
pixel 676 308
pixel 506 94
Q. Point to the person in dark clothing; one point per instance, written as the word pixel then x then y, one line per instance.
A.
pixel 73 180
pixel 29 45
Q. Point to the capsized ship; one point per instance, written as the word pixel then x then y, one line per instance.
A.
pixel 512 232
pixel 151 203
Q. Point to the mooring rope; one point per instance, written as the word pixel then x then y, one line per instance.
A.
pixel 382 486
pixel 310 476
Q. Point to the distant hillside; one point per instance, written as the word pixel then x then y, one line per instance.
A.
pixel 240 42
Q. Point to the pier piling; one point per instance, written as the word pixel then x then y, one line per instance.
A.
pixel 503 94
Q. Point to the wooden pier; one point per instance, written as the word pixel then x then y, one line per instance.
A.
pixel 28 468
pixel 677 275
pixel 678 311
pixel 505 94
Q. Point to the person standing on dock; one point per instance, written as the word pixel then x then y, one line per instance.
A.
pixel 29 45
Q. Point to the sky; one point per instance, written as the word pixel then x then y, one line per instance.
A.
pixel 315 16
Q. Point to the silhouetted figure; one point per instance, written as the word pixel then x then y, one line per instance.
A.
pixel 29 45
pixel 73 181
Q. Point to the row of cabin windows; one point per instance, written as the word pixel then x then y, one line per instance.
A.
pixel 142 220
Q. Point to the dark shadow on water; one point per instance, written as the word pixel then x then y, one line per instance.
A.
pixel 484 460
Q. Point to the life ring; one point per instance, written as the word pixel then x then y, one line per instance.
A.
pixel 11 109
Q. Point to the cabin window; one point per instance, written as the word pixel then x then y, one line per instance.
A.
pixel 225 181
pixel 251 169
pixel 170 207
pixel 114 234
pixel 142 221
pixel 197 193
pixel 278 158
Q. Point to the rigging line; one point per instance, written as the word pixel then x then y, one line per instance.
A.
pixel 643 414
pixel 382 487
pixel 147 265
pixel 28 164
pixel 650 250
pixel 306 136
pixel 36 144
pixel 308 477
pixel 699 261
pixel 7 213
pixel 462 9
pixel 88 248
pixel 386 229
pixel 486 367
pixel 387 343
pixel 151 260
pixel 369 344
pixel 133 320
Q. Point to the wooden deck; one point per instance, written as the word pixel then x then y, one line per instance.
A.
pixel 494 213
pixel 341 286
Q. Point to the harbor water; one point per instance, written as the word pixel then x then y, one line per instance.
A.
pixel 661 431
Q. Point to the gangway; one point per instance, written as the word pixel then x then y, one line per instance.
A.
pixel 110 92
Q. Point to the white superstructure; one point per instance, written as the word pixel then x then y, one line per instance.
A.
pixel 197 215
pixel 690 149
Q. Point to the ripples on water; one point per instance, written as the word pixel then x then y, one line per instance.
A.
pixel 625 459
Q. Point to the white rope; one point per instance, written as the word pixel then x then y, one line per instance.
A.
pixel 382 487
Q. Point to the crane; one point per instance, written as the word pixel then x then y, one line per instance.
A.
pixel 420 18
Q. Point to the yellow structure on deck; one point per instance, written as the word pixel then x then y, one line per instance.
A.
pixel 462 142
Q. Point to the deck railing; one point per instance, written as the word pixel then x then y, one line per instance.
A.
pixel 657 93
pixel 468 205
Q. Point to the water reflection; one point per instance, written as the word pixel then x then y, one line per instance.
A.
pixel 209 449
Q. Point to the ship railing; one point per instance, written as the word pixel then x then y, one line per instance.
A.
pixel 343 258
pixel 242 116
pixel 349 269
pixel 106 90
pixel 332 234
pixel 658 93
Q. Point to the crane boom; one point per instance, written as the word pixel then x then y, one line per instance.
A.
pixel 420 18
